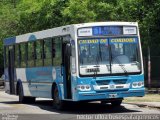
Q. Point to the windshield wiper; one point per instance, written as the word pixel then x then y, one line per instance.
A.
pixel 98 57
pixel 97 65
pixel 120 64
pixel 117 60
pixel 100 53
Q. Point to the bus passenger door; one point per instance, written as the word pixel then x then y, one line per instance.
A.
pixel 11 70
pixel 66 52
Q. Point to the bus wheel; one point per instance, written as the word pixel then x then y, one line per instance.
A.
pixel 103 102
pixel 24 99
pixel 116 103
pixel 21 95
pixel 58 104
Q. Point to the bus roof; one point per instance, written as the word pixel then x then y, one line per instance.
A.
pixel 106 24
pixel 60 31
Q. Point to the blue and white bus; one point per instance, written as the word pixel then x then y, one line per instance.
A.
pixel 99 61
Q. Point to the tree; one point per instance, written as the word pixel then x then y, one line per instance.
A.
pixel 78 11
pixel 23 16
pixel 8 25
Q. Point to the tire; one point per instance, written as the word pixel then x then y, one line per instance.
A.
pixel 57 103
pixel 116 103
pixel 30 99
pixel 103 102
pixel 22 98
pixel 21 94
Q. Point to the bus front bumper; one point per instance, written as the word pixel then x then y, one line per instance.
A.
pixel 93 96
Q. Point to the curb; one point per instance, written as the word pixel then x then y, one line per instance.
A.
pixel 1 88
pixel 144 105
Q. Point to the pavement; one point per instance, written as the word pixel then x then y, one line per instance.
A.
pixel 140 104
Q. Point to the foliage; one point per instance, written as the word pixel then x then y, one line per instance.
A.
pixel 40 15
pixel 8 23
pixel 77 11
pixel 23 16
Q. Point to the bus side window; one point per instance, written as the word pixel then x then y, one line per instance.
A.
pixel 23 54
pixel 57 51
pixel 6 56
pixel 39 52
pixel 48 52
pixel 17 56
pixel 31 54
pixel 53 49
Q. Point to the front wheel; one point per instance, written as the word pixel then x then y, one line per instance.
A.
pixel 58 104
pixel 22 98
pixel 116 103
pixel 21 94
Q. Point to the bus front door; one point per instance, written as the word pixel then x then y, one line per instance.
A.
pixel 11 70
pixel 66 52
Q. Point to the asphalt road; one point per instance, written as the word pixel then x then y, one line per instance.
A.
pixel 42 109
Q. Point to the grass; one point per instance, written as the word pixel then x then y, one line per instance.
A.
pixel 146 98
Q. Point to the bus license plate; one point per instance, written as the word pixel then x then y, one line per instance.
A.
pixel 112 95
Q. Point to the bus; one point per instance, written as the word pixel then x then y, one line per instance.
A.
pixel 100 61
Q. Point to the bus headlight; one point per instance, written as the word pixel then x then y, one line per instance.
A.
pixel 137 84
pixel 84 87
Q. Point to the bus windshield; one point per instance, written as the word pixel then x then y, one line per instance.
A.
pixel 109 56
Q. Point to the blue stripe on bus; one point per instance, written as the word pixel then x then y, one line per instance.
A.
pixel 9 41
pixel 32 38
pixel 44 74
pixel 12 40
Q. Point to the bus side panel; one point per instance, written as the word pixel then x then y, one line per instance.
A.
pixel 7 82
pixel 38 81
pixel 74 81
pixel 22 76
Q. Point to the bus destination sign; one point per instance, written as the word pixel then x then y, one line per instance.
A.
pixel 107 31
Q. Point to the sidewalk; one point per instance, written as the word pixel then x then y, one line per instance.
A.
pixel 149 100
pixel 152 91
pixel 147 104
pixel 1 88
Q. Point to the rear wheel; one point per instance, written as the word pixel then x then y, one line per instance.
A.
pixel 116 103
pixel 58 104
pixel 22 98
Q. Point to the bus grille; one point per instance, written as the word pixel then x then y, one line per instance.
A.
pixel 116 82
pixel 119 86
pixel 103 82
pixel 107 82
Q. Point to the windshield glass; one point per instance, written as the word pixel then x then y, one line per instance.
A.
pixel 109 56
pixel 125 55
pixel 93 52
